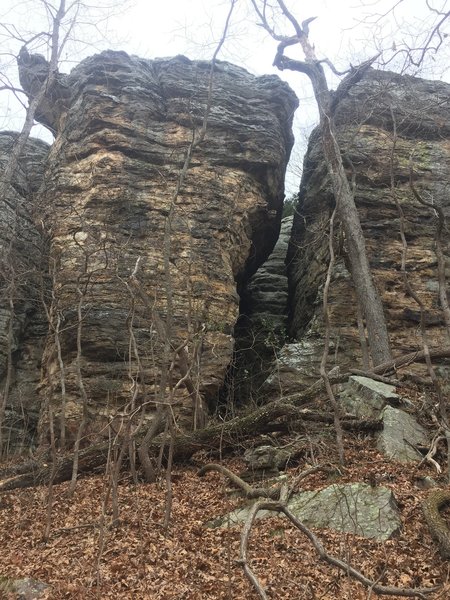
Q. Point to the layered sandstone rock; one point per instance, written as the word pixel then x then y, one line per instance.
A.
pixel 262 327
pixel 385 124
pixel 23 291
pixel 134 186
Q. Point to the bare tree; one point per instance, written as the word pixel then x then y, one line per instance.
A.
pixel 10 287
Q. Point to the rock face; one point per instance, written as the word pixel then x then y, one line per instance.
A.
pixel 385 124
pixel 23 289
pixel 134 185
pixel 262 326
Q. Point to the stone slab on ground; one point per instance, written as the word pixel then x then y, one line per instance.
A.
pixel 366 398
pixel 355 508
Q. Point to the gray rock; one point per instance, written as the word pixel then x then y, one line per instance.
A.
pixel 266 457
pixel 400 434
pixel 268 288
pixel 296 367
pixel 366 398
pixel 354 508
pixel 262 326
pixel 425 483
pixel 24 589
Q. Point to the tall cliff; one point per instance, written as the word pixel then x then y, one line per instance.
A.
pixel 23 287
pixel 152 224
pixel 389 127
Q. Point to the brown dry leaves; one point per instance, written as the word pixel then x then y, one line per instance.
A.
pixel 137 560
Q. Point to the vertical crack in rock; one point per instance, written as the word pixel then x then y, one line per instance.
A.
pixel 261 330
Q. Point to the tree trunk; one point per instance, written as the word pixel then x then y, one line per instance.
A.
pixel 366 292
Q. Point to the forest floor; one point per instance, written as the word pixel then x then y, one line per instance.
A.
pixel 85 558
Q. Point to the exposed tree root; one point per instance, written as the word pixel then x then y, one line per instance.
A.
pixel 247 489
pixel 281 507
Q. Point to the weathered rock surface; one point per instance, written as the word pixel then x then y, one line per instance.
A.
pixel 267 290
pixel 24 589
pixel 262 325
pixel 401 435
pixel 366 398
pixel 384 122
pixel 296 366
pixel 264 461
pixel 116 192
pixel 23 323
pixel 355 508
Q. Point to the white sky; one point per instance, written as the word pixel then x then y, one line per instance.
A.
pixel 346 31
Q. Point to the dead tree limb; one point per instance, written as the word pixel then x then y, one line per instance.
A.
pixel 407 359
pixel 226 434
pixel 323 554
pixel 249 491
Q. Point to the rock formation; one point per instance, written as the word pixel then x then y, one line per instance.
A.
pixel 356 508
pixel 387 124
pixel 162 198
pixel 164 187
pixel 23 290
pixel 262 325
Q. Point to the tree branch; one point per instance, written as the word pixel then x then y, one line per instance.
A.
pixel 323 554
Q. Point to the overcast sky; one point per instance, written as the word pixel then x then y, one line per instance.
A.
pixel 346 31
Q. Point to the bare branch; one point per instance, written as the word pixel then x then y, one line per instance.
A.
pixel 298 30
pixel 323 554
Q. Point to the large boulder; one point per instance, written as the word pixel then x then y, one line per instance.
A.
pixel 134 186
pixel 402 436
pixel 356 508
pixel 353 507
pixel 366 398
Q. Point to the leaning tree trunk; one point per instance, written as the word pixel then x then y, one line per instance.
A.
pixel 366 292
